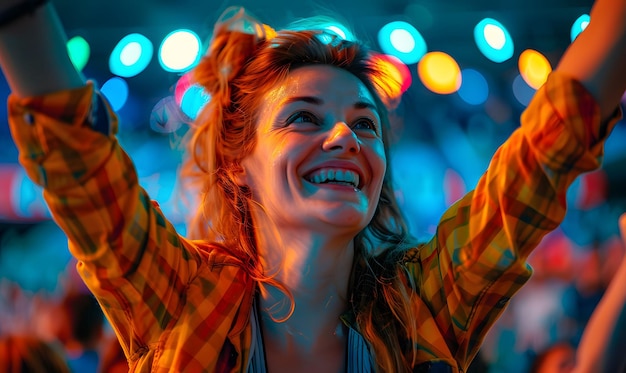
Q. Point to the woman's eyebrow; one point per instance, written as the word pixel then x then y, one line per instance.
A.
pixel 365 105
pixel 318 101
pixel 308 99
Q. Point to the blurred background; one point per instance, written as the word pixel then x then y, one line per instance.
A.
pixel 468 70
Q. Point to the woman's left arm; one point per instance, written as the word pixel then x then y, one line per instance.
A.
pixel 477 261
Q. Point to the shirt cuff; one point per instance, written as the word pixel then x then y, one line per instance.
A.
pixel 62 136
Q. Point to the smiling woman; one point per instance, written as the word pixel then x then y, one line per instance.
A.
pixel 298 257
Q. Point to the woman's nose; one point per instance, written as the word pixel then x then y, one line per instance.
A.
pixel 342 137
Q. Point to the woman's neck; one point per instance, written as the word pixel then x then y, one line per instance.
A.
pixel 316 270
pixel 313 338
pixel 310 263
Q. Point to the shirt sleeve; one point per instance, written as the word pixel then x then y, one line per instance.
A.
pixel 477 260
pixel 128 254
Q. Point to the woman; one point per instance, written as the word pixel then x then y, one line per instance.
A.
pixel 302 260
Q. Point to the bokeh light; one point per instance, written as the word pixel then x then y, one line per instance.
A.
pixel 191 98
pixel 493 40
pixel 439 72
pixel 522 91
pixel 79 51
pixel 579 26
pixel 193 101
pixel 402 40
pixel 23 198
pixel 131 55
pixel 182 84
pixel 179 51
pixel 534 67
pixel 116 92
pixel 474 88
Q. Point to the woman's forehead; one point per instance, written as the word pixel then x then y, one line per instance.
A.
pixel 325 82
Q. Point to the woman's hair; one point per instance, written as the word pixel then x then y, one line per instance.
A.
pixel 27 354
pixel 244 61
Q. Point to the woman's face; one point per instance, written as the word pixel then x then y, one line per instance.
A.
pixel 319 160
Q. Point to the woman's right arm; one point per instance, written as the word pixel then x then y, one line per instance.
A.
pixel 129 255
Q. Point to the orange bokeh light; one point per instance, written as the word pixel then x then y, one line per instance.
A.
pixel 439 72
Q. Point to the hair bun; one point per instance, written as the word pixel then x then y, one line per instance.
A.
pixel 236 37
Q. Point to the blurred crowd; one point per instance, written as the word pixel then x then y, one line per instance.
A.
pixel 59 331
pixel 540 330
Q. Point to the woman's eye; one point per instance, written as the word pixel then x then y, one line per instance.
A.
pixel 365 124
pixel 303 117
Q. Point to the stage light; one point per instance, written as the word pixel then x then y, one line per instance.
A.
pixel 193 101
pixel 579 26
pixel 534 67
pixel 79 51
pixel 191 98
pixel 179 51
pixel 182 84
pixel 439 72
pixel 20 197
pixel 493 40
pixel 131 55
pixel 522 91
pixel 116 92
pixel 474 88
pixel 403 41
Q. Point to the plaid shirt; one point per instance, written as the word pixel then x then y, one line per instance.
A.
pixel 181 305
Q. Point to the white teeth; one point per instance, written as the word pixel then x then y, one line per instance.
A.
pixel 338 176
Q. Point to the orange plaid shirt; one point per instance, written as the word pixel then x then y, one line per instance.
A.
pixel 180 305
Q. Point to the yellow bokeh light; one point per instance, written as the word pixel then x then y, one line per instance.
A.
pixel 439 72
pixel 534 68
